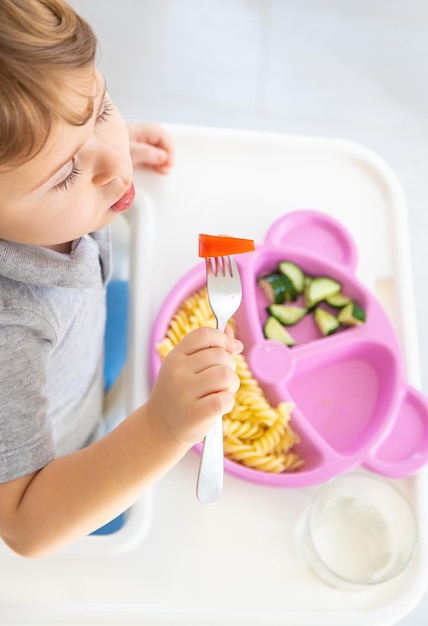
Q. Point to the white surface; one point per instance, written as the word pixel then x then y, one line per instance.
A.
pixel 235 562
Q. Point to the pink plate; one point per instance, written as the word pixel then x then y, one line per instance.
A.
pixel 352 404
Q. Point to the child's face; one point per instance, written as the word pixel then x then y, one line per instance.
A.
pixel 69 188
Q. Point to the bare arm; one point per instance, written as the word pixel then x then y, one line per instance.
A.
pixel 77 493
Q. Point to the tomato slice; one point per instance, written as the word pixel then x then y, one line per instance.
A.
pixel 223 245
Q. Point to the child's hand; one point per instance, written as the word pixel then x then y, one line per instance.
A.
pixel 196 384
pixel 151 147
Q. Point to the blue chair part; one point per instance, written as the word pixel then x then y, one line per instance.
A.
pixel 116 333
pixel 115 348
pixel 111 527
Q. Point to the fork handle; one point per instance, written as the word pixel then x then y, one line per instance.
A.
pixel 211 468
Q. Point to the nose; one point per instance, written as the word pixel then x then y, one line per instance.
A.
pixel 109 164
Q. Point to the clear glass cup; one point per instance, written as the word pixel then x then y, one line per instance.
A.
pixel 359 531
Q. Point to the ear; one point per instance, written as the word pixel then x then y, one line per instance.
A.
pixel 315 233
pixel 404 449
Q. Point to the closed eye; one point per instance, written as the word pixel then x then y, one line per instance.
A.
pixel 106 111
pixel 69 180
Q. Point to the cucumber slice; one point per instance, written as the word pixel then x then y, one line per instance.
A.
pixel 291 292
pixel 352 315
pixel 338 300
pixel 294 273
pixel 320 288
pixel 326 322
pixel 273 329
pixel 277 288
pixel 287 314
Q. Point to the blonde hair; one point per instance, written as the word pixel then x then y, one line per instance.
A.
pixel 41 43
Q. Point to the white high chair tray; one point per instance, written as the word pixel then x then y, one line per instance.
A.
pixel 234 562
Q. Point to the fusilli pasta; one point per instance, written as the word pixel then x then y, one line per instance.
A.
pixel 255 434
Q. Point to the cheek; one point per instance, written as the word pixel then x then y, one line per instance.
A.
pixel 86 203
pixel 115 132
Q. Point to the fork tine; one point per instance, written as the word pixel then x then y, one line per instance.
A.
pixel 214 266
pixel 233 267
pixel 209 266
pixel 221 266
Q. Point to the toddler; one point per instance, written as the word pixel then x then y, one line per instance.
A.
pixel 66 159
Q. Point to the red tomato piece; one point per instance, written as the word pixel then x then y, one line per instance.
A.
pixel 223 245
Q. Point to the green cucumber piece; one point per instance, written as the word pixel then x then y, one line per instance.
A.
pixel 274 330
pixel 287 314
pixel 319 289
pixel 352 315
pixel 294 273
pixel 338 300
pixel 291 292
pixel 277 288
pixel 326 321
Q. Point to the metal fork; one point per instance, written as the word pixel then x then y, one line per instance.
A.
pixel 224 295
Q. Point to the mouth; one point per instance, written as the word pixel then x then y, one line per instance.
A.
pixel 125 201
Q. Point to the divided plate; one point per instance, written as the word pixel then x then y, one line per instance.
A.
pixel 352 404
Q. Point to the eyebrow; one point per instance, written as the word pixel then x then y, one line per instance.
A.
pixel 59 167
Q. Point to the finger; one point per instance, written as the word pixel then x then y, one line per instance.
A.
pixel 148 156
pixel 162 169
pixel 154 135
pixel 217 404
pixel 203 338
pixel 229 331
pixel 215 380
pixel 157 136
pixel 211 357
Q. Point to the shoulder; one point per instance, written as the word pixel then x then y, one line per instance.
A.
pixel 24 306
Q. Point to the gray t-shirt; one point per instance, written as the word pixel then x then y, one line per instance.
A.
pixel 52 319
